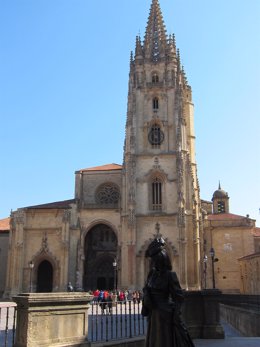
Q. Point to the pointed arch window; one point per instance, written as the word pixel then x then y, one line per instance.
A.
pixel 157 194
pixel 155 104
pixel 155 78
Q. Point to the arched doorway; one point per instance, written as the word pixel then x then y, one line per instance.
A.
pixel 100 251
pixel 44 277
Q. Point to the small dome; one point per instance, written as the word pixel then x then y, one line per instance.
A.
pixel 220 193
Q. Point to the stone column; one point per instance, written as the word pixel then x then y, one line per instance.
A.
pixel 212 328
pixel 201 312
pixel 52 319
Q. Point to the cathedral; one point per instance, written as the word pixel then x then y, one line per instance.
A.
pixel 98 239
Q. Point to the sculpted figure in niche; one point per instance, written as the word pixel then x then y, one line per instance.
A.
pixel 162 299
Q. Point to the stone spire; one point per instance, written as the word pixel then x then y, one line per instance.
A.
pixel 155 41
pixel 138 48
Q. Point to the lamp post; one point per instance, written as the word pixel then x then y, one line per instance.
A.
pixel 213 259
pixel 31 265
pixel 115 274
pixel 205 259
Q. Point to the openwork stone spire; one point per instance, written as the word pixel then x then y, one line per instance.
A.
pixel 155 41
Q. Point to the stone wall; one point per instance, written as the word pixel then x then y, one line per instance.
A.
pixel 52 319
pixel 4 240
pixel 201 314
pixel 245 319
pixel 250 274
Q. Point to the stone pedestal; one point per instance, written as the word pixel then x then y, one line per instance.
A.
pixel 201 312
pixel 52 319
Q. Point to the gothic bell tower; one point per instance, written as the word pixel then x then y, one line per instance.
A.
pixel 160 191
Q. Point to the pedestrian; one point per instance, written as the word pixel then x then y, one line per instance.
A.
pixel 134 296
pixel 70 287
pixel 139 296
pixel 96 295
pixel 162 299
pixel 121 296
pixel 130 296
pixel 102 301
pixel 109 303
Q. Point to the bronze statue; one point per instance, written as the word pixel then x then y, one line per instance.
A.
pixel 162 301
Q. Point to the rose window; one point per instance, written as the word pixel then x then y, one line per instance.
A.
pixel 107 194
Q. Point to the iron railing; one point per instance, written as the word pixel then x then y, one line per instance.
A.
pixel 114 321
pixel 106 321
pixel 7 324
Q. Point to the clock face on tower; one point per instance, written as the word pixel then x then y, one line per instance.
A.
pixel 156 136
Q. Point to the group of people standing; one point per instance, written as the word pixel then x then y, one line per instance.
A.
pixel 117 296
pixel 106 298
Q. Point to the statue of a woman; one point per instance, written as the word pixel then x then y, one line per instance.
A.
pixel 162 301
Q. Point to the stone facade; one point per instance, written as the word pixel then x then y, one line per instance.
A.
pixel 232 237
pixel 118 209
pixel 250 274
pixel 4 240
pixel 99 238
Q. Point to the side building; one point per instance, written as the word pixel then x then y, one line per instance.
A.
pixel 4 242
pixel 227 237
pixel 250 269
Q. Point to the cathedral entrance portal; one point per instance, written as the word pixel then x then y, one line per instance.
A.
pixel 100 251
pixel 44 277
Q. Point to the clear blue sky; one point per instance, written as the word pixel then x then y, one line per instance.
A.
pixel 64 68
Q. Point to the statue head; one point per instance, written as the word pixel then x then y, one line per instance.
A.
pixel 160 259
pixel 155 247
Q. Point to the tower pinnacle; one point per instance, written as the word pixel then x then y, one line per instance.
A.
pixel 155 40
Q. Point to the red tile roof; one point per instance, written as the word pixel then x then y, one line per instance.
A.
pixel 106 167
pixel 4 224
pixel 225 216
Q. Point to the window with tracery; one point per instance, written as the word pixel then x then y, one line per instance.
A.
pixel 155 103
pixel 157 194
pixel 107 194
pixel 155 78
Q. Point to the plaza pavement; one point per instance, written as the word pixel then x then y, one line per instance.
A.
pixel 230 342
pixel 232 339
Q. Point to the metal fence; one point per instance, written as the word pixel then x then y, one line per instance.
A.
pixel 7 324
pixel 106 321
pixel 114 321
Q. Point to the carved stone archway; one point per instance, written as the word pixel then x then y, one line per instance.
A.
pixel 100 249
pixel 44 277
pixel 45 256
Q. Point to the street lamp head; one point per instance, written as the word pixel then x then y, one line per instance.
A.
pixel 212 252
pixel 115 263
pixel 205 259
pixel 31 265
